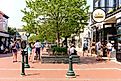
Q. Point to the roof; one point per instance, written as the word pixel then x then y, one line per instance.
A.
pixel 4 15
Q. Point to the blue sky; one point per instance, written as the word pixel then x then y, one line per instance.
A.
pixel 12 9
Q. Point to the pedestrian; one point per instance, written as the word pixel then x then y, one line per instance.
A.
pixel 99 51
pixel 85 47
pixel 33 51
pixel 29 48
pixel 109 49
pixel 37 49
pixel 72 50
pixel 42 46
pixel 14 51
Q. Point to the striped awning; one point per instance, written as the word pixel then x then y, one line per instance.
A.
pixel 4 34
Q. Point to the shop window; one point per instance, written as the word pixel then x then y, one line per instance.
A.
pixel 119 3
pixel 102 3
pixel 96 4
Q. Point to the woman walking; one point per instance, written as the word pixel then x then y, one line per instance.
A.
pixel 14 51
pixel 30 51
pixel 33 52
pixel 109 49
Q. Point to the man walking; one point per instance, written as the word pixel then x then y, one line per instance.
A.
pixel 85 47
pixel 37 49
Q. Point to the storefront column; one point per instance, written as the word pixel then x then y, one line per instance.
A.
pixel 118 47
pixel 104 41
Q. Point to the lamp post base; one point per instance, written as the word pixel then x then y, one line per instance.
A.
pixel 22 73
pixel 70 74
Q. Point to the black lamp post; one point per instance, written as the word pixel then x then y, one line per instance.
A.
pixel 23 46
pixel 70 73
pixel 26 55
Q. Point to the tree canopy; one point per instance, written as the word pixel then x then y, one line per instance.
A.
pixel 53 19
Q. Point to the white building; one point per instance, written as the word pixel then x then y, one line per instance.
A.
pixel 4 35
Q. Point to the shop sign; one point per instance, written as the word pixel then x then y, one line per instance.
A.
pixel 98 15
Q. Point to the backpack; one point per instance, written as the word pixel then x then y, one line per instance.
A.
pixel 85 45
pixel 17 45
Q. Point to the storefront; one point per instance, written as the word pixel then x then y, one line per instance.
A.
pixel 109 29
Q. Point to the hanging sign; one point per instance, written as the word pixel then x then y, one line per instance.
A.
pixel 98 15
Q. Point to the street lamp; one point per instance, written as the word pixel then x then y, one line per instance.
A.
pixel 27 34
pixel 26 56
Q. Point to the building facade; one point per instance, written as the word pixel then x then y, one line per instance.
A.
pixel 108 30
pixel 4 35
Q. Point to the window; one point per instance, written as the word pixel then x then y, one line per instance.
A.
pixel 119 3
pixel 96 4
pixel 102 3
pixel 110 3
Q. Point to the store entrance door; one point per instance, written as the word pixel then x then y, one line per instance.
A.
pixel 111 39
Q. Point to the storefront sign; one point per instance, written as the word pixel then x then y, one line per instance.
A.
pixel 98 15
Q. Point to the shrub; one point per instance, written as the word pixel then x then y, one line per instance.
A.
pixel 53 45
pixel 59 50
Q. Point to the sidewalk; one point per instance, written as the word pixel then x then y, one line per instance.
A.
pixel 88 70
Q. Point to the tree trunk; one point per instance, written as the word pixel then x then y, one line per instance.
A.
pixel 66 41
pixel 58 39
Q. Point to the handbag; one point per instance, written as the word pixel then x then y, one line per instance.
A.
pixel 75 52
pixel 35 57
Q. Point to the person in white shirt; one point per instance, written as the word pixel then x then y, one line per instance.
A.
pixel 109 49
pixel 37 49
pixel 99 51
pixel 72 50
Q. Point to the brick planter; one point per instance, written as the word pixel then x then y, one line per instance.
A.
pixel 58 59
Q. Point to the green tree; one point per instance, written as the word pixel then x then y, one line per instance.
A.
pixel 60 17
pixel 11 31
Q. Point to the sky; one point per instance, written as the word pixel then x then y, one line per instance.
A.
pixel 12 9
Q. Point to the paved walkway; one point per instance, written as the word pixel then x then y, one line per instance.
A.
pixel 88 70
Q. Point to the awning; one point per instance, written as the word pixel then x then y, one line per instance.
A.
pixel 4 34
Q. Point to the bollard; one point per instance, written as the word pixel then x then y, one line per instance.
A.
pixel 23 73
pixel 26 62
pixel 70 72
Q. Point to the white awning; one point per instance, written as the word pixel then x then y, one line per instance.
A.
pixel 4 34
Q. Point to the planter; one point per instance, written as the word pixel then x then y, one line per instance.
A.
pixel 59 59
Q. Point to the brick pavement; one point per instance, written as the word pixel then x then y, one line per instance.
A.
pixel 88 70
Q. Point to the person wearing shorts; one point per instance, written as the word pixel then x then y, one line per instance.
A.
pixel 99 51
pixel 85 47
pixel 109 50
pixel 14 51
